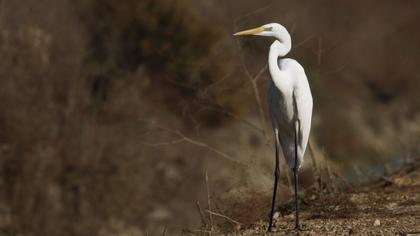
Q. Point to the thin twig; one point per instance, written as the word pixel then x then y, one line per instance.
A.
pixel 260 73
pixel 340 68
pixel 220 153
pixel 320 51
pixel 183 138
pixel 315 169
pixel 333 182
pixel 225 217
pixel 208 200
pixel 253 80
pixel 256 11
pixel 227 76
pixel 172 142
pixel 293 28
pixel 203 220
pixel 288 178
pixel 234 116
pixel 303 41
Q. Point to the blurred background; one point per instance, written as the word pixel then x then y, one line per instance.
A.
pixel 111 112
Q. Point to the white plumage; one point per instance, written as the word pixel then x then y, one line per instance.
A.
pixel 290 103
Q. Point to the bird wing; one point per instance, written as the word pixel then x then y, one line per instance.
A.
pixel 281 109
pixel 302 98
pixel 291 109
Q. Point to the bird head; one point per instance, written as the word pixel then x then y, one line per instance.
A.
pixel 272 29
pixel 281 46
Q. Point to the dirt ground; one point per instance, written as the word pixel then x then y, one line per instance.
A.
pixel 390 206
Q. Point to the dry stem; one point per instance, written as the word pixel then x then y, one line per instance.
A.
pixel 203 220
pixel 182 138
pixel 208 200
pixel 223 216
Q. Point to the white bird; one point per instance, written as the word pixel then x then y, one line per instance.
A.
pixel 290 103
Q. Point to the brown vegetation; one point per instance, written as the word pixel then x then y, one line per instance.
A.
pixel 111 111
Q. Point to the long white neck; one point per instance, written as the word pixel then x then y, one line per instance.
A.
pixel 279 48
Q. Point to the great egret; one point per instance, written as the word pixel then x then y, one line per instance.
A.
pixel 290 103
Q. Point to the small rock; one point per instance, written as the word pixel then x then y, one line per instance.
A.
pixel 290 216
pixel 377 222
pixel 392 205
pixel 276 215
pixel 355 199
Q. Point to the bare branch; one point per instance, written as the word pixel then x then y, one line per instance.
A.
pixel 320 51
pixel 225 217
pixel 315 169
pixel 224 78
pixel 332 178
pixel 340 68
pixel 261 72
pixel 172 142
pixel 288 177
pixel 183 138
pixel 233 115
pixel 203 220
pixel 250 14
pixel 208 200
pixel 253 80
pixel 304 41
pixel 292 29
pixel 220 153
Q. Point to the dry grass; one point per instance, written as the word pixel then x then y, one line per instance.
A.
pixel 79 79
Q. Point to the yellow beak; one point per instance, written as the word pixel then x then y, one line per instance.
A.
pixel 250 31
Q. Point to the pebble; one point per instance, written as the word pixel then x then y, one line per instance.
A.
pixel 290 216
pixel 392 205
pixel 377 222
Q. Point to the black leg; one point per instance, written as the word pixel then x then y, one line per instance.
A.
pixel 276 179
pixel 295 172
